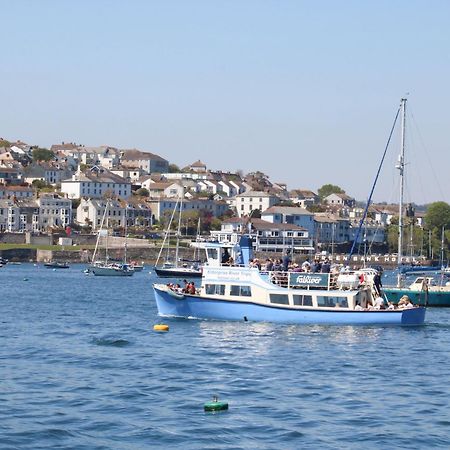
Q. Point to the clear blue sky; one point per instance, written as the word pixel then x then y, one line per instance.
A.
pixel 305 91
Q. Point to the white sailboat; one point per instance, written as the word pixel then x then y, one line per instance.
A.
pixel 107 267
pixel 176 268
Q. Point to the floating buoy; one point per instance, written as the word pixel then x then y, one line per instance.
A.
pixel 215 405
pixel 25 279
pixel 161 327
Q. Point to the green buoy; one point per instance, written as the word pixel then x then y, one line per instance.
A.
pixel 215 405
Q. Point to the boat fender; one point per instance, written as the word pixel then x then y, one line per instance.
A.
pixel 215 405
pixel 161 327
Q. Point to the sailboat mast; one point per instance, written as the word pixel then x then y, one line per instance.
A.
pixel 126 230
pixel 179 230
pixel 401 167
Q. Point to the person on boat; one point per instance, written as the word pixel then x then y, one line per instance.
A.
pixel 404 300
pixel 377 283
pixel 326 266
pixel 379 303
pixel 306 266
pixel 191 289
pixel 316 266
pixel 390 306
pixel 358 307
pixel 226 256
pixel 269 265
pixel 286 261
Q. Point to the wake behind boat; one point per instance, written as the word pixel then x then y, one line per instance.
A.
pixel 245 293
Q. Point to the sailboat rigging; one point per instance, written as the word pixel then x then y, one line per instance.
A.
pixel 176 268
pixel 107 267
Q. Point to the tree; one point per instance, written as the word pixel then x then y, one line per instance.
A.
pixel 173 168
pixel 438 216
pixel 142 192
pixel 4 143
pixel 39 184
pixel 328 189
pixel 42 154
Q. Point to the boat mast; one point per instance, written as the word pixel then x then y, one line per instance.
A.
pixel 126 224
pixel 401 167
pixel 179 229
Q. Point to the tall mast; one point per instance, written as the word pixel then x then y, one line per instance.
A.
pixel 401 167
pixel 126 230
pixel 179 229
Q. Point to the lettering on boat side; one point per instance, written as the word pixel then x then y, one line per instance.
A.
pixel 320 279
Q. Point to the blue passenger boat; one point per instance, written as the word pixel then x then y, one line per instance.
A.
pixel 244 293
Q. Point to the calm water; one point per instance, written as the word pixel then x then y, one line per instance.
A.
pixel 81 368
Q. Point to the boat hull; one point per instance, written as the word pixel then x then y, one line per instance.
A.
pixel 110 272
pixel 432 298
pixel 177 272
pixel 193 306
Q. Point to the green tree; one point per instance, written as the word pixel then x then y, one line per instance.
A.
pixel 4 143
pixel 173 168
pixel 328 189
pixel 42 154
pixel 39 184
pixel 142 192
pixel 437 216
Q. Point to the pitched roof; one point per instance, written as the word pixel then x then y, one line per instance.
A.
pixel 255 194
pixel 137 155
pixel 287 210
pixel 198 163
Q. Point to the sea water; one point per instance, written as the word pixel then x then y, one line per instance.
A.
pixel 82 368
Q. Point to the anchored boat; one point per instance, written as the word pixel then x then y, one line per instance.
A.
pixel 245 293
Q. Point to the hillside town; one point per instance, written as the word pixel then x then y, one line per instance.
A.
pixel 43 191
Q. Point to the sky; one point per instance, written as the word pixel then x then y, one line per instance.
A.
pixel 304 91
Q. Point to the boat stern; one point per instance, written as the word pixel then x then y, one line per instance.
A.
pixel 414 316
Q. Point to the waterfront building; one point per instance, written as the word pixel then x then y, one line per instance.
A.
pixel 304 197
pixel 54 211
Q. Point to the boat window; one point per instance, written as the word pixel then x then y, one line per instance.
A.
pixel 302 300
pixel 282 299
pixel 215 289
pixel 331 302
pixel 212 253
pixel 243 291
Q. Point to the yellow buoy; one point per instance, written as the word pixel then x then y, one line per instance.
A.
pixel 161 327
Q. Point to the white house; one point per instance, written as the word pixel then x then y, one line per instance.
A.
pixel 54 211
pixel 90 212
pixel 249 201
pixel 340 200
pixel 290 215
pixel 96 183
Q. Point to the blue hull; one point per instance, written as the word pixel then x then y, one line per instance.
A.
pixel 200 308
